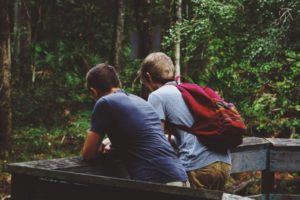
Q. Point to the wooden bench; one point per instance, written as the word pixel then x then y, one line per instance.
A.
pixel 72 178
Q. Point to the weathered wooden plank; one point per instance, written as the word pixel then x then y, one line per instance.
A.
pixel 284 197
pixel 284 142
pixel 60 163
pixel 117 171
pixel 105 166
pixel 58 190
pixel 68 163
pixel 284 160
pixel 67 185
pixel 70 185
pixel 49 189
pixel 251 155
pixel 268 155
pixel 258 197
pixel 227 196
pixel 253 141
pixel 124 184
pixel 249 160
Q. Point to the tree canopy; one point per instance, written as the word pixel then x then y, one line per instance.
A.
pixel 247 50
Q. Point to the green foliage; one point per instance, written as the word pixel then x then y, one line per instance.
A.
pixel 68 39
pixel 275 104
pixel 287 183
pixel 58 85
pixel 129 74
pixel 248 51
pixel 40 143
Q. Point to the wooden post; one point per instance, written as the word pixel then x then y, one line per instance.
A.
pixel 267 178
pixel 267 182
pixel 21 187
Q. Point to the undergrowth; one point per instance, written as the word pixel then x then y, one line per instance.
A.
pixel 39 143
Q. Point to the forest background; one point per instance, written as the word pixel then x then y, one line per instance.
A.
pixel 247 50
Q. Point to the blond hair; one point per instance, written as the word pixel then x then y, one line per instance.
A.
pixel 159 66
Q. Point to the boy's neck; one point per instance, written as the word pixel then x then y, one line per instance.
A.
pixel 100 94
pixel 114 89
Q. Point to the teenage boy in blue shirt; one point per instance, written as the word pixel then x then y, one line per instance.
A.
pixel 133 128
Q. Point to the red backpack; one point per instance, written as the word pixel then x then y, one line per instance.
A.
pixel 217 124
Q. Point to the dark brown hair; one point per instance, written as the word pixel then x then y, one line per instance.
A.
pixel 102 77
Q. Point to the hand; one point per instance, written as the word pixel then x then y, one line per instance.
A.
pixel 172 140
pixel 105 146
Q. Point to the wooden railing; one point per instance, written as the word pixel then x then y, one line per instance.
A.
pixel 268 155
pixel 72 178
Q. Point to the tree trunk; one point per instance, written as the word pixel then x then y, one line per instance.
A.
pixel 170 9
pixel 185 15
pixel 119 29
pixel 89 10
pixel 142 16
pixel 177 41
pixel 22 42
pixel 143 27
pixel 5 77
pixel 145 34
pixel 16 39
pixel 25 43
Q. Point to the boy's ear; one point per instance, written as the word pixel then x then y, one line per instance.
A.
pixel 94 91
pixel 148 77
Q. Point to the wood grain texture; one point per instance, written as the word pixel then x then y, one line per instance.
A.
pixel 72 178
pixel 249 160
pixel 284 160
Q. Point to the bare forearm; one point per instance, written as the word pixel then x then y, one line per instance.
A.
pixel 90 150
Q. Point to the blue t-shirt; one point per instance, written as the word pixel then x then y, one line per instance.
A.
pixel 135 132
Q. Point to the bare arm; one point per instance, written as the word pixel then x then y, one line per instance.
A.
pixel 169 135
pixel 91 146
pixel 162 123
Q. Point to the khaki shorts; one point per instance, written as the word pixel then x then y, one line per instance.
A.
pixel 213 176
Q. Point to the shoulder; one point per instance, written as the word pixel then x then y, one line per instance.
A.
pixel 101 101
pixel 167 94
pixel 100 105
pixel 113 97
pixel 167 91
pixel 107 100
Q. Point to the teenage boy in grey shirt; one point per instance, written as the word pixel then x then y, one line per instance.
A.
pixel 206 168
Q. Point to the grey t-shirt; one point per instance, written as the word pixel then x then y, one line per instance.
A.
pixel 169 104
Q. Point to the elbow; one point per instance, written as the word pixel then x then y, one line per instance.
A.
pixel 90 148
pixel 87 156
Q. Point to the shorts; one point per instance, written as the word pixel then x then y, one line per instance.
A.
pixel 213 176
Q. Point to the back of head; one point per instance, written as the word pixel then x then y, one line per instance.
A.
pixel 159 66
pixel 102 77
